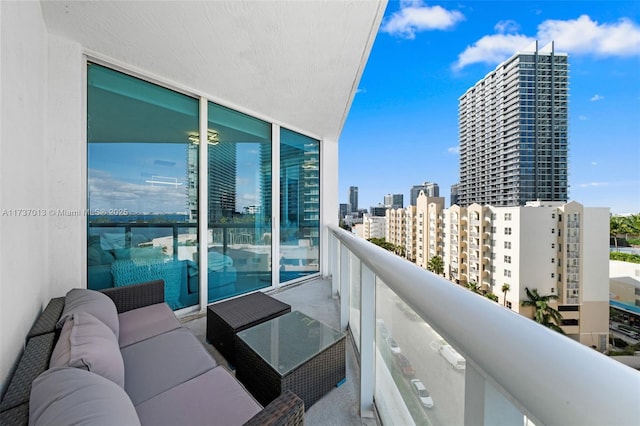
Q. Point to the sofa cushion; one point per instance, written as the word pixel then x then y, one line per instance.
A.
pixel 142 323
pixel 93 302
pixel 66 396
pixel 85 342
pixel 155 365
pixel 213 398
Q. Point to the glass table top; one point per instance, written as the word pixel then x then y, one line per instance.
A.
pixel 288 341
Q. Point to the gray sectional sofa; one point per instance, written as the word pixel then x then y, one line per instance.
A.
pixel 120 356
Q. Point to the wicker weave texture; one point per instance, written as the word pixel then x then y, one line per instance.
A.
pixel 310 381
pixel 16 416
pixel 34 360
pixel 46 322
pixel 285 410
pixel 129 297
pixel 227 318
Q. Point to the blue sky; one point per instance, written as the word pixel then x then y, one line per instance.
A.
pixel 402 129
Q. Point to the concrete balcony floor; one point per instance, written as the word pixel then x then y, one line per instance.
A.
pixel 338 407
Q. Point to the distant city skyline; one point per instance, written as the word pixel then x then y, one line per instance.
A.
pixel 426 56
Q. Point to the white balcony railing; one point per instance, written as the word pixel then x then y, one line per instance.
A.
pixel 516 370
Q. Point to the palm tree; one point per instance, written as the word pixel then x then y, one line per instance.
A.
pixel 614 230
pixel 505 288
pixel 473 286
pixel 436 265
pixel 491 296
pixel 542 312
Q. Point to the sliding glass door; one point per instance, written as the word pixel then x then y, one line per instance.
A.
pixel 142 185
pixel 239 248
pixel 144 194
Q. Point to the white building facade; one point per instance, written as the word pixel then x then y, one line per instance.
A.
pixel 559 249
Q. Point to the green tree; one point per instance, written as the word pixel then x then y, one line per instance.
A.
pixel 491 296
pixel 543 313
pixel 614 229
pixel 381 242
pixel 473 286
pixel 505 288
pixel 436 265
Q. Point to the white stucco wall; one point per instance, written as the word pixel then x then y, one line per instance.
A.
pixel 618 269
pixel 66 156
pixel 24 273
pixel 595 252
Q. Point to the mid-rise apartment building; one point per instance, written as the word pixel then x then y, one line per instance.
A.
pixel 373 226
pixel 430 189
pixel 513 128
pixel 396 226
pixel 556 248
pixel 394 201
pixel 428 223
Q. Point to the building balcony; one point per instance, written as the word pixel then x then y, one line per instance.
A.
pixel 492 384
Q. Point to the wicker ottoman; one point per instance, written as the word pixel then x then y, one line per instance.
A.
pixel 226 319
pixel 292 352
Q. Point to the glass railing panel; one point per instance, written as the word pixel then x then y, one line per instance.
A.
pixel 355 298
pixel 428 374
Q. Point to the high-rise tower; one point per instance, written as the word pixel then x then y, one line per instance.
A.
pixel 513 131
pixel 353 198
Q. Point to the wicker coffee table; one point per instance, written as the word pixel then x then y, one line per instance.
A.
pixel 226 319
pixel 294 352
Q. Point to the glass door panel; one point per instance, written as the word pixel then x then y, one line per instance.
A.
pixel 239 249
pixel 299 205
pixel 142 185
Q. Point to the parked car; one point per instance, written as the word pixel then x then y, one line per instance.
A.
pixel 422 393
pixel 382 329
pixel 455 359
pixel 404 365
pixel 393 345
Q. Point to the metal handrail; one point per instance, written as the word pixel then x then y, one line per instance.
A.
pixel 550 377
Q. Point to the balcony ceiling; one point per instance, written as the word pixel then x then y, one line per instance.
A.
pixel 296 63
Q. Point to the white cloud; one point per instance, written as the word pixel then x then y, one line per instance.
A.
pixel 507 26
pixel 577 36
pixel 586 36
pixel 596 98
pixel 492 49
pixel 415 17
pixel 582 118
pixel 454 150
pixel 593 184
pixel 594 163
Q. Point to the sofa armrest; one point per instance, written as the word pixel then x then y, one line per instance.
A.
pixel 285 410
pixel 129 297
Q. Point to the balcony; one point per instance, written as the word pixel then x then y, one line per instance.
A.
pixel 491 388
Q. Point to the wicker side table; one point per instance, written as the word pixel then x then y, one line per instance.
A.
pixel 292 352
pixel 226 319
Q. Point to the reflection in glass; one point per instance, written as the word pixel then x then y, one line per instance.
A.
pixel 239 203
pixel 142 185
pixel 299 205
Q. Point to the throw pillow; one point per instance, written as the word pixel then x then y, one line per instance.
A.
pixel 85 342
pixel 97 304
